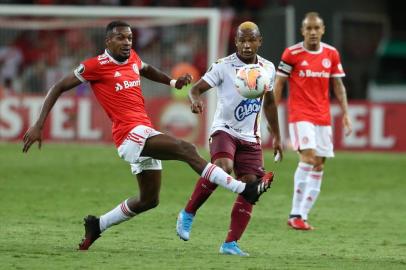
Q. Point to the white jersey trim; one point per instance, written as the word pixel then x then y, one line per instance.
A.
pixel 83 80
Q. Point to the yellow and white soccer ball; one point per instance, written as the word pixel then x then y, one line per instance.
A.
pixel 252 81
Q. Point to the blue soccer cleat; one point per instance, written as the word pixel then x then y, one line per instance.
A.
pixel 232 248
pixel 184 225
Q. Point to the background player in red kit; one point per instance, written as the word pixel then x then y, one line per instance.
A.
pixel 115 80
pixel 308 66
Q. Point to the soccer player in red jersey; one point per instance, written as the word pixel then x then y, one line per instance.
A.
pixel 114 77
pixel 235 138
pixel 309 66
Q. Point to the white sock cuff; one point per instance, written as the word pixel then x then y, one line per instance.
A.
pixel 126 210
pixel 316 175
pixel 208 170
pixel 305 166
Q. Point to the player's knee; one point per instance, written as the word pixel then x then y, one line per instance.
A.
pixel 308 159
pixel 318 167
pixel 226 167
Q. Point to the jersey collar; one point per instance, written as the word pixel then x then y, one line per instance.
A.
pixel 114 60
pixel 312 52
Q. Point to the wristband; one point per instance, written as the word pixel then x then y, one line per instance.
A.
pixel 172 83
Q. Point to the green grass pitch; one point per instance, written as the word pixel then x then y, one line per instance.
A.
pixel 360 217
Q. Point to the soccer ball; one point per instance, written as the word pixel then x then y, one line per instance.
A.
pixel 252 81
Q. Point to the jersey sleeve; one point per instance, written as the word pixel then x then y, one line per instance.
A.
pixel 271 71
pixel 213 75
pixel 286 64
pixel 87 70
pixel 336 67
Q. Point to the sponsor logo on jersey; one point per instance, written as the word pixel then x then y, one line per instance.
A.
pixel 326 63
pixel 314 74
pixel 127 84
pixel 118 87
pixel 135 68
pixel 117 74
pixel 246 108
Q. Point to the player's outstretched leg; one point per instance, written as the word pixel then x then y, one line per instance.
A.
pixel 184 225
pixel 254 190
pixel 92 232
pixel 232 248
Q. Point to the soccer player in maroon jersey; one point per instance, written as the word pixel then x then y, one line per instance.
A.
pixel 235 137
pixel 114 77
pixel 308 66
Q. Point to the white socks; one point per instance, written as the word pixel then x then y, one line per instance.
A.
pixel 313 184
pixel 302 171
pixel 217 176
pixel 119 214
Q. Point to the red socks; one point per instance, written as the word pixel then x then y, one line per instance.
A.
pixel 240 216
pixel 202 192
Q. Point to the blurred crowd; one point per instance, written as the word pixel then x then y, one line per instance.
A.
pixel 31 60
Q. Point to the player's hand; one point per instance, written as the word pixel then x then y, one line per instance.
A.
pixel 197 106
pixel 347 125
pixel 32 135
pixel 183 80
pixel 277 149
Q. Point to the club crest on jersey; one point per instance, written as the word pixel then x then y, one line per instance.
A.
pixel 326 63
pixel 135 68
pixel 246 108
pixel 80 69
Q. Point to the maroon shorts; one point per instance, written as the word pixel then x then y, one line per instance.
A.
pixel 247 156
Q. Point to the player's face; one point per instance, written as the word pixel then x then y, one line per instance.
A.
pixel 312 31
pixel 248 42
pixel 119 42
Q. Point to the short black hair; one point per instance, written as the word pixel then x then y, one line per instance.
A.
pixel 110 27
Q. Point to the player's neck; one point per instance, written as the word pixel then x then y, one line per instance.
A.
pixel 248 61
pixel 311 47
pixel 117 58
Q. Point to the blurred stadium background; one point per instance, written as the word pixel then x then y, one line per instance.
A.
pixel 44 39
pixel 44 195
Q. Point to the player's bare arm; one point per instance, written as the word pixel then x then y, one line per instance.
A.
pixel 278 88
pixel 271 115
pixel 341 95
pixel 152 73
pixel 34 133
pixel 194 95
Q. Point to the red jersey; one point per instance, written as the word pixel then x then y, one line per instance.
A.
pixel 117 87
pixel 309 73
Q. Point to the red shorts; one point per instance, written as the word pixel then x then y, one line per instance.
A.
pixel 247 156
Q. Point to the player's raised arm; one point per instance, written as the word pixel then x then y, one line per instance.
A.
pixel 33 134
pixel 194 95
pixel 152 73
